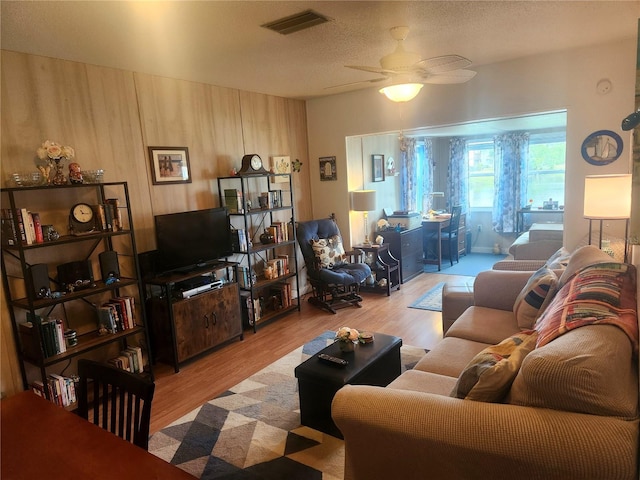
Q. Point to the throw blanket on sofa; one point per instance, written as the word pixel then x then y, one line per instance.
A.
pixel 603 293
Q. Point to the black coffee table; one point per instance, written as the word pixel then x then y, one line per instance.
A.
pixel 376 363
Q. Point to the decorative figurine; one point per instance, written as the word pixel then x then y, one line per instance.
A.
pixel 75 173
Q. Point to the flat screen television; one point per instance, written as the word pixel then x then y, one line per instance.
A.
pixel 186 240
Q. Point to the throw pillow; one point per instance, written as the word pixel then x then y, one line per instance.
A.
pixel 329 251
pixel 530 302
pixel 489 375
pixel 559 260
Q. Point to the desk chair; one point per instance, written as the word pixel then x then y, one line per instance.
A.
pixel 449 236
pixel 335 275
pixel 120 401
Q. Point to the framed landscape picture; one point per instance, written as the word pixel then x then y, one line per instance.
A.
pixel 169 165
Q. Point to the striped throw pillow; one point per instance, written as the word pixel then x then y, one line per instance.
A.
pixel 531 301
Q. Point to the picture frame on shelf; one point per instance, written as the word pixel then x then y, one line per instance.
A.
pixel 169 165
pixel 328 170
pixel 280 165
pixel 377 162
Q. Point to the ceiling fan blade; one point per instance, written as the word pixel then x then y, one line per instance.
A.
pixel 379 70
pixel 445 63
pixel 375 80
pixel 456 76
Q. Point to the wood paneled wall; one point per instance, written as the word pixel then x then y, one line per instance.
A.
pixel 111 116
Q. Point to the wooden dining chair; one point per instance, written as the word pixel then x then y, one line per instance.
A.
pixel 118 401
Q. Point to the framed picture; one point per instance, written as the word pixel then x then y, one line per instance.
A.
pixel 280 165
pixel 169 165
pixel 328 168
pixel 378 167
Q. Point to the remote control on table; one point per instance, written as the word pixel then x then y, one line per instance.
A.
pixel 332 360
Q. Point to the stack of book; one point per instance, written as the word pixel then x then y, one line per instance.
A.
pixel 271 199
pixel 233 200
pixel 281 292
pixel 42 338
pixel 117 315
pixel 130 359
pixel 61 390
pixel 279 231
pixel 239 240
pixel 108 215
pixel 21 226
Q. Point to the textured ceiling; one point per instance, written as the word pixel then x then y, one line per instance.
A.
pixel 222 43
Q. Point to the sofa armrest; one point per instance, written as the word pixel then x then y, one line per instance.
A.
pixel 392 433
pixel 499 288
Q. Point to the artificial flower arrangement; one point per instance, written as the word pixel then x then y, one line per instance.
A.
pixel 383 225
pixel 347 334
pixel 54 151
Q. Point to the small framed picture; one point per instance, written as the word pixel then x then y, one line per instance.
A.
pixel 328 169
pixel 280 165
pixel 169 165
pixel 378 167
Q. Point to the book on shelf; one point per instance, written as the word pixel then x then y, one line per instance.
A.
pixel 238 240
pixel 21 228
pixel 116 213
pixel 51 336
pixel 129 359
pixel 233 200
pixel 106 319
pixel 27 221
pixel 10 235
pixel 37 227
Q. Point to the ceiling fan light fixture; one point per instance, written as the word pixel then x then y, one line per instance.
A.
pixel 402 92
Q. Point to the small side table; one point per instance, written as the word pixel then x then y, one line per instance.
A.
pixel 383 265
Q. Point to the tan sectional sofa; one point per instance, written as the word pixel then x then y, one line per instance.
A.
pixel 570 410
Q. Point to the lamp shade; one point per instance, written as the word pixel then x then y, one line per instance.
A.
pixel 607 196
pixel 363 200
pixel 402 92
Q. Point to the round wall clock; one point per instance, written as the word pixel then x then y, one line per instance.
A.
pixel 602 147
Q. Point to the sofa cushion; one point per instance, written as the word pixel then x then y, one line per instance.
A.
pixel 600 293
pixel 489 375
pixel 588 370
pixel 484 325
pixel 449 357
pixel 581 258
pixel 419 381
pixel 329 251
pixel 531 300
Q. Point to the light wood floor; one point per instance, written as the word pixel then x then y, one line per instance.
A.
pixel 207 377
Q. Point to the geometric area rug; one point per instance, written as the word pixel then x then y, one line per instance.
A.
pixel 252 431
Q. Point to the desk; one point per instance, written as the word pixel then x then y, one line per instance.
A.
pixel 521 213
pixel 42 440
pixel 435 225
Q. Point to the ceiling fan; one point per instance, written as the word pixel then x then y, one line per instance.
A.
pixel 402 67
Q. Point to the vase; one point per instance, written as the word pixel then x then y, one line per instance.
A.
pixel 58 176
pixel 347 346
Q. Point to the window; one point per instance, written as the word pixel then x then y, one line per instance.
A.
pixel 545 169
pixel 481 173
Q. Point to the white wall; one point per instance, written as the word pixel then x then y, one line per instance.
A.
pixel 562 80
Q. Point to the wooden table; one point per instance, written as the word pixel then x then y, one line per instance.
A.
pixel 435 225
pixel 40 440
pixel 376 363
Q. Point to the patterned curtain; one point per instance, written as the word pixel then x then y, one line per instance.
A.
pixel 511 152
pixel 458 175
pixel 408 177
pixel 426 176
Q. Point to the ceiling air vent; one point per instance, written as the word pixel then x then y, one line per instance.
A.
pixel 296 22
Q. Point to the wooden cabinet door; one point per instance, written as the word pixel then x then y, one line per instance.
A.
pixel 225 318
pixel 193 321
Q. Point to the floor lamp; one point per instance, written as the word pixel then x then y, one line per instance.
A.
pixel 364 201
pixel 608 197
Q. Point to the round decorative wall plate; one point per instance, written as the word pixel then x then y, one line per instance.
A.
pixel 602 147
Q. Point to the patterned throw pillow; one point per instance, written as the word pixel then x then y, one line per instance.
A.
pixel 329 251
pixel 531 300
pixel 559 260
pixel 489 375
